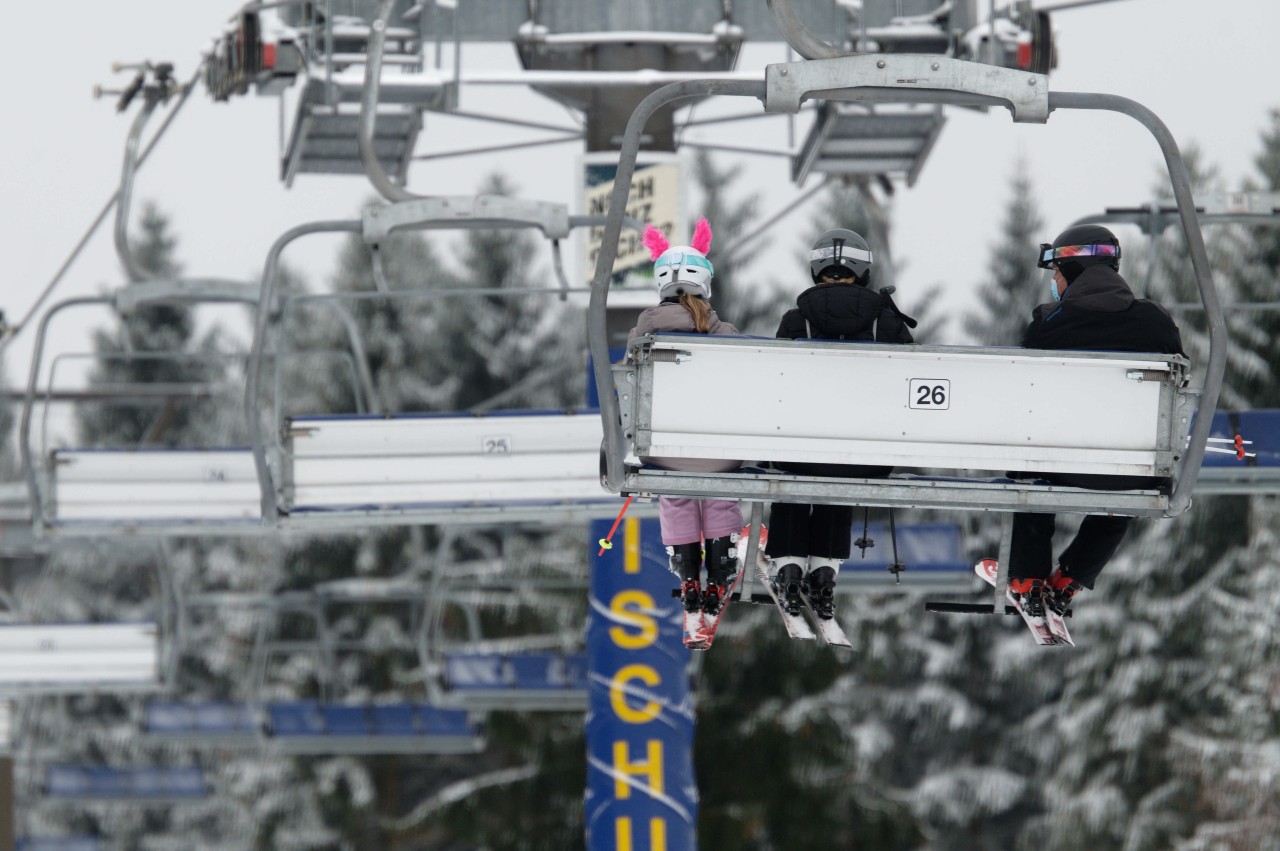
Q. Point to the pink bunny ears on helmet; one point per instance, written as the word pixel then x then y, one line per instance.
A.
pixel 657 243
pixel 702 236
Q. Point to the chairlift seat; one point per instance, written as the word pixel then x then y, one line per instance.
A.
pixel 213 724
pixel 1258 472
pixel 97 783
pixel 308 727
pixel 138 487
pixel 958 409
pixel 60 843
pixel 453 462
pixel 48 659
pixel 517 681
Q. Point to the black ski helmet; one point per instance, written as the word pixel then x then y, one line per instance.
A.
pixel 840 253
pixel 1079 247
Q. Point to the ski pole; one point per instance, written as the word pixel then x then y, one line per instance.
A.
pixel 606 543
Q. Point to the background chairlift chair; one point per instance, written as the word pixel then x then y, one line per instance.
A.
pixel 303 486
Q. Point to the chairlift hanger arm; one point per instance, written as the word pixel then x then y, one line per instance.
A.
pixel 800 37
pixel 253 382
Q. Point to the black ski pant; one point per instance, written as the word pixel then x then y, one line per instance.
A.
pixel 1097 540
pixel 825 531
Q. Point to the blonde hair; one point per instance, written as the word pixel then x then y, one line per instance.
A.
pixel 699 309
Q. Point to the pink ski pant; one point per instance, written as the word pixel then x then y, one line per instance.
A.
pixel 689 521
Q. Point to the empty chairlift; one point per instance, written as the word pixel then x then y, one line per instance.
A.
pixel 41 659
pixel 309 727
pixel 1245 456
pixel 351 470
pixel 214 724
pixel 137 786
pixel 524 682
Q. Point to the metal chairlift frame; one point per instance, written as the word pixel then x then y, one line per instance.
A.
pixel 315 604
pixel 375 225
pixel 147 289
pixel 168 624
pixel 904 79
pixel 124 301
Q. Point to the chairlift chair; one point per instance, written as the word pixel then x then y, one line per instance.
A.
pixel 506 466
pixel 649 398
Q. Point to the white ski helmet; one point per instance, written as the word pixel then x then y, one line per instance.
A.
pixel 681 269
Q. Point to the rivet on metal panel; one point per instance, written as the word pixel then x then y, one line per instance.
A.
pixel 880 63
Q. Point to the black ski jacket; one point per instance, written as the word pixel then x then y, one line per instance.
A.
pixel 1099 312
pixel 845 312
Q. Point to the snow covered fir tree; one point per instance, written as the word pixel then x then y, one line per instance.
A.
pixel 1159 730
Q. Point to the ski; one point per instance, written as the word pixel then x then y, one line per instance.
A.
pixel 693 635
pixel 710 623
pixel 1048 631
pixel 828 628
pixel 1058 626
pixel 796 625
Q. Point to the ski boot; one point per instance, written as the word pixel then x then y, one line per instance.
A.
pixel 686 562
pixel 1060 590
pixel 787 584
pixel 820 586
pixel 722 572
pixel 1028 596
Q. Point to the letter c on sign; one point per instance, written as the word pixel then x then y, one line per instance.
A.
pixel 618 694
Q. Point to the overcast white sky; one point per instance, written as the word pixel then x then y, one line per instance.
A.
pixel 1209 69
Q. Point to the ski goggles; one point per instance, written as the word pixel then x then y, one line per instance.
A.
pixel 678 257
pixel 1050 255
pixel 842 253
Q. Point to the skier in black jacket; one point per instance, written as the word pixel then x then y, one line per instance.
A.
pixel 808 543
pixel 1092 309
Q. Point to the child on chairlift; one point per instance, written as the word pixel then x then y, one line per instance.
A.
pixel 683 276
